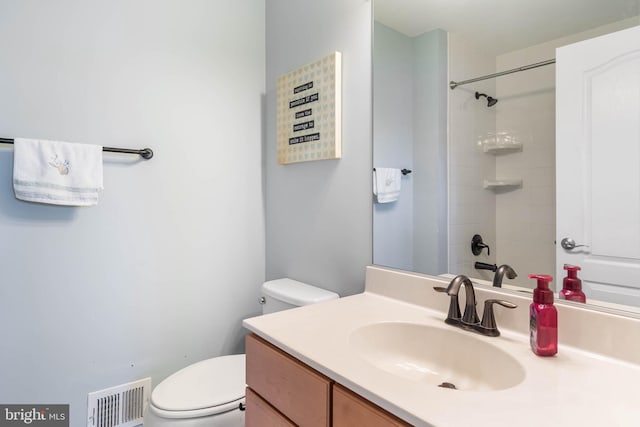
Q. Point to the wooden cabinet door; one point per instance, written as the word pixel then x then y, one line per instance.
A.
pixel 294 389
pixel 260 414
pixel 350 410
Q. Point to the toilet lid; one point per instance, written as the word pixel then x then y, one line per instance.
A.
pixel 205 384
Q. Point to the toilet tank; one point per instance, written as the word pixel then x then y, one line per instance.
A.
pixel 283 294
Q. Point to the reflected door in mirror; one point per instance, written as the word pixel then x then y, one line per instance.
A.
pixel 597 164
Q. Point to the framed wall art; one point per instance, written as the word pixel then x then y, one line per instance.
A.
pixel 309 112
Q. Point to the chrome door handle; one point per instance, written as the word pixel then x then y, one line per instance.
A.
pixel 568 243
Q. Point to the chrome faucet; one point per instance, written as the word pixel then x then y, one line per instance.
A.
pixel 470 320
pixel 500 272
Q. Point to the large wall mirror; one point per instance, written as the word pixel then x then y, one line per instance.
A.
pixel 498 156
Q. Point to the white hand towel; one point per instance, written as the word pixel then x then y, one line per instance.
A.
pixel 58 173
pixel 386 184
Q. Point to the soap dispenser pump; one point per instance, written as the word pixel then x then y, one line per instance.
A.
pixel 572 285
pixel 543 318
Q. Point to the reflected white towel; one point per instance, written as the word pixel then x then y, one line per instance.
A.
pixel 386 184
pixel 58 173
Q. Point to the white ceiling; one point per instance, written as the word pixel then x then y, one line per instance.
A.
pixel 503 25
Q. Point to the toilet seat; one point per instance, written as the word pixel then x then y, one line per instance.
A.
pixel 205 388
pixel 197 413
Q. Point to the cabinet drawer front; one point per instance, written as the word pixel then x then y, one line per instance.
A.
pixel 261 414
pixel 350 410
pixel 300 393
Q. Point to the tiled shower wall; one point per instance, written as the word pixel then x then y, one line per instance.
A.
pixel 472 209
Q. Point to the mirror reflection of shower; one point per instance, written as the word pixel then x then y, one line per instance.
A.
pixel 476 169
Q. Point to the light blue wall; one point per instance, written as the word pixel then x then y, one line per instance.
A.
pixel 318 214
pixel 410 131
pixel 161 272
pixel 393 118
pixel 430 152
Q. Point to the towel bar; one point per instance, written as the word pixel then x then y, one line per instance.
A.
pixel 404 171
pixel 145 153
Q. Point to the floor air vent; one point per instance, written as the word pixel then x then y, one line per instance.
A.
pixel 119 406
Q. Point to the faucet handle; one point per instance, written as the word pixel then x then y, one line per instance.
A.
pixel 477 245
pixel 488 323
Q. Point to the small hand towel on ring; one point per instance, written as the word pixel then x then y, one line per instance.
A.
pixel 56 172
pixel 386 184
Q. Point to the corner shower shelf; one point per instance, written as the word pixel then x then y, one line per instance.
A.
pixel 499 148
pixel 502 183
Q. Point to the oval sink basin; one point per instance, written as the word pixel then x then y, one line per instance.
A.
pixel 439 356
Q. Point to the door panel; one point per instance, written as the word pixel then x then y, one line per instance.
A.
pixel 598 163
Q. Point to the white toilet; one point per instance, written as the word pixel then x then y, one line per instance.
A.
pixel 211 392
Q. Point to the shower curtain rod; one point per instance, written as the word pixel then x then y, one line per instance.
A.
pixel 454 85
pixel 145 153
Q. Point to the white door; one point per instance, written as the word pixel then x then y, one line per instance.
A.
pixel 598 164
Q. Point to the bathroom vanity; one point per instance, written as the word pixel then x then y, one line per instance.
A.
pixel 282 391
pixel 386 358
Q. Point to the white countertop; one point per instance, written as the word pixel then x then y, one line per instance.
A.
pixel 573 388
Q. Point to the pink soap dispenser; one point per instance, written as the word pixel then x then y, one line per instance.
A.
pixel 543 318
pixel 572 285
